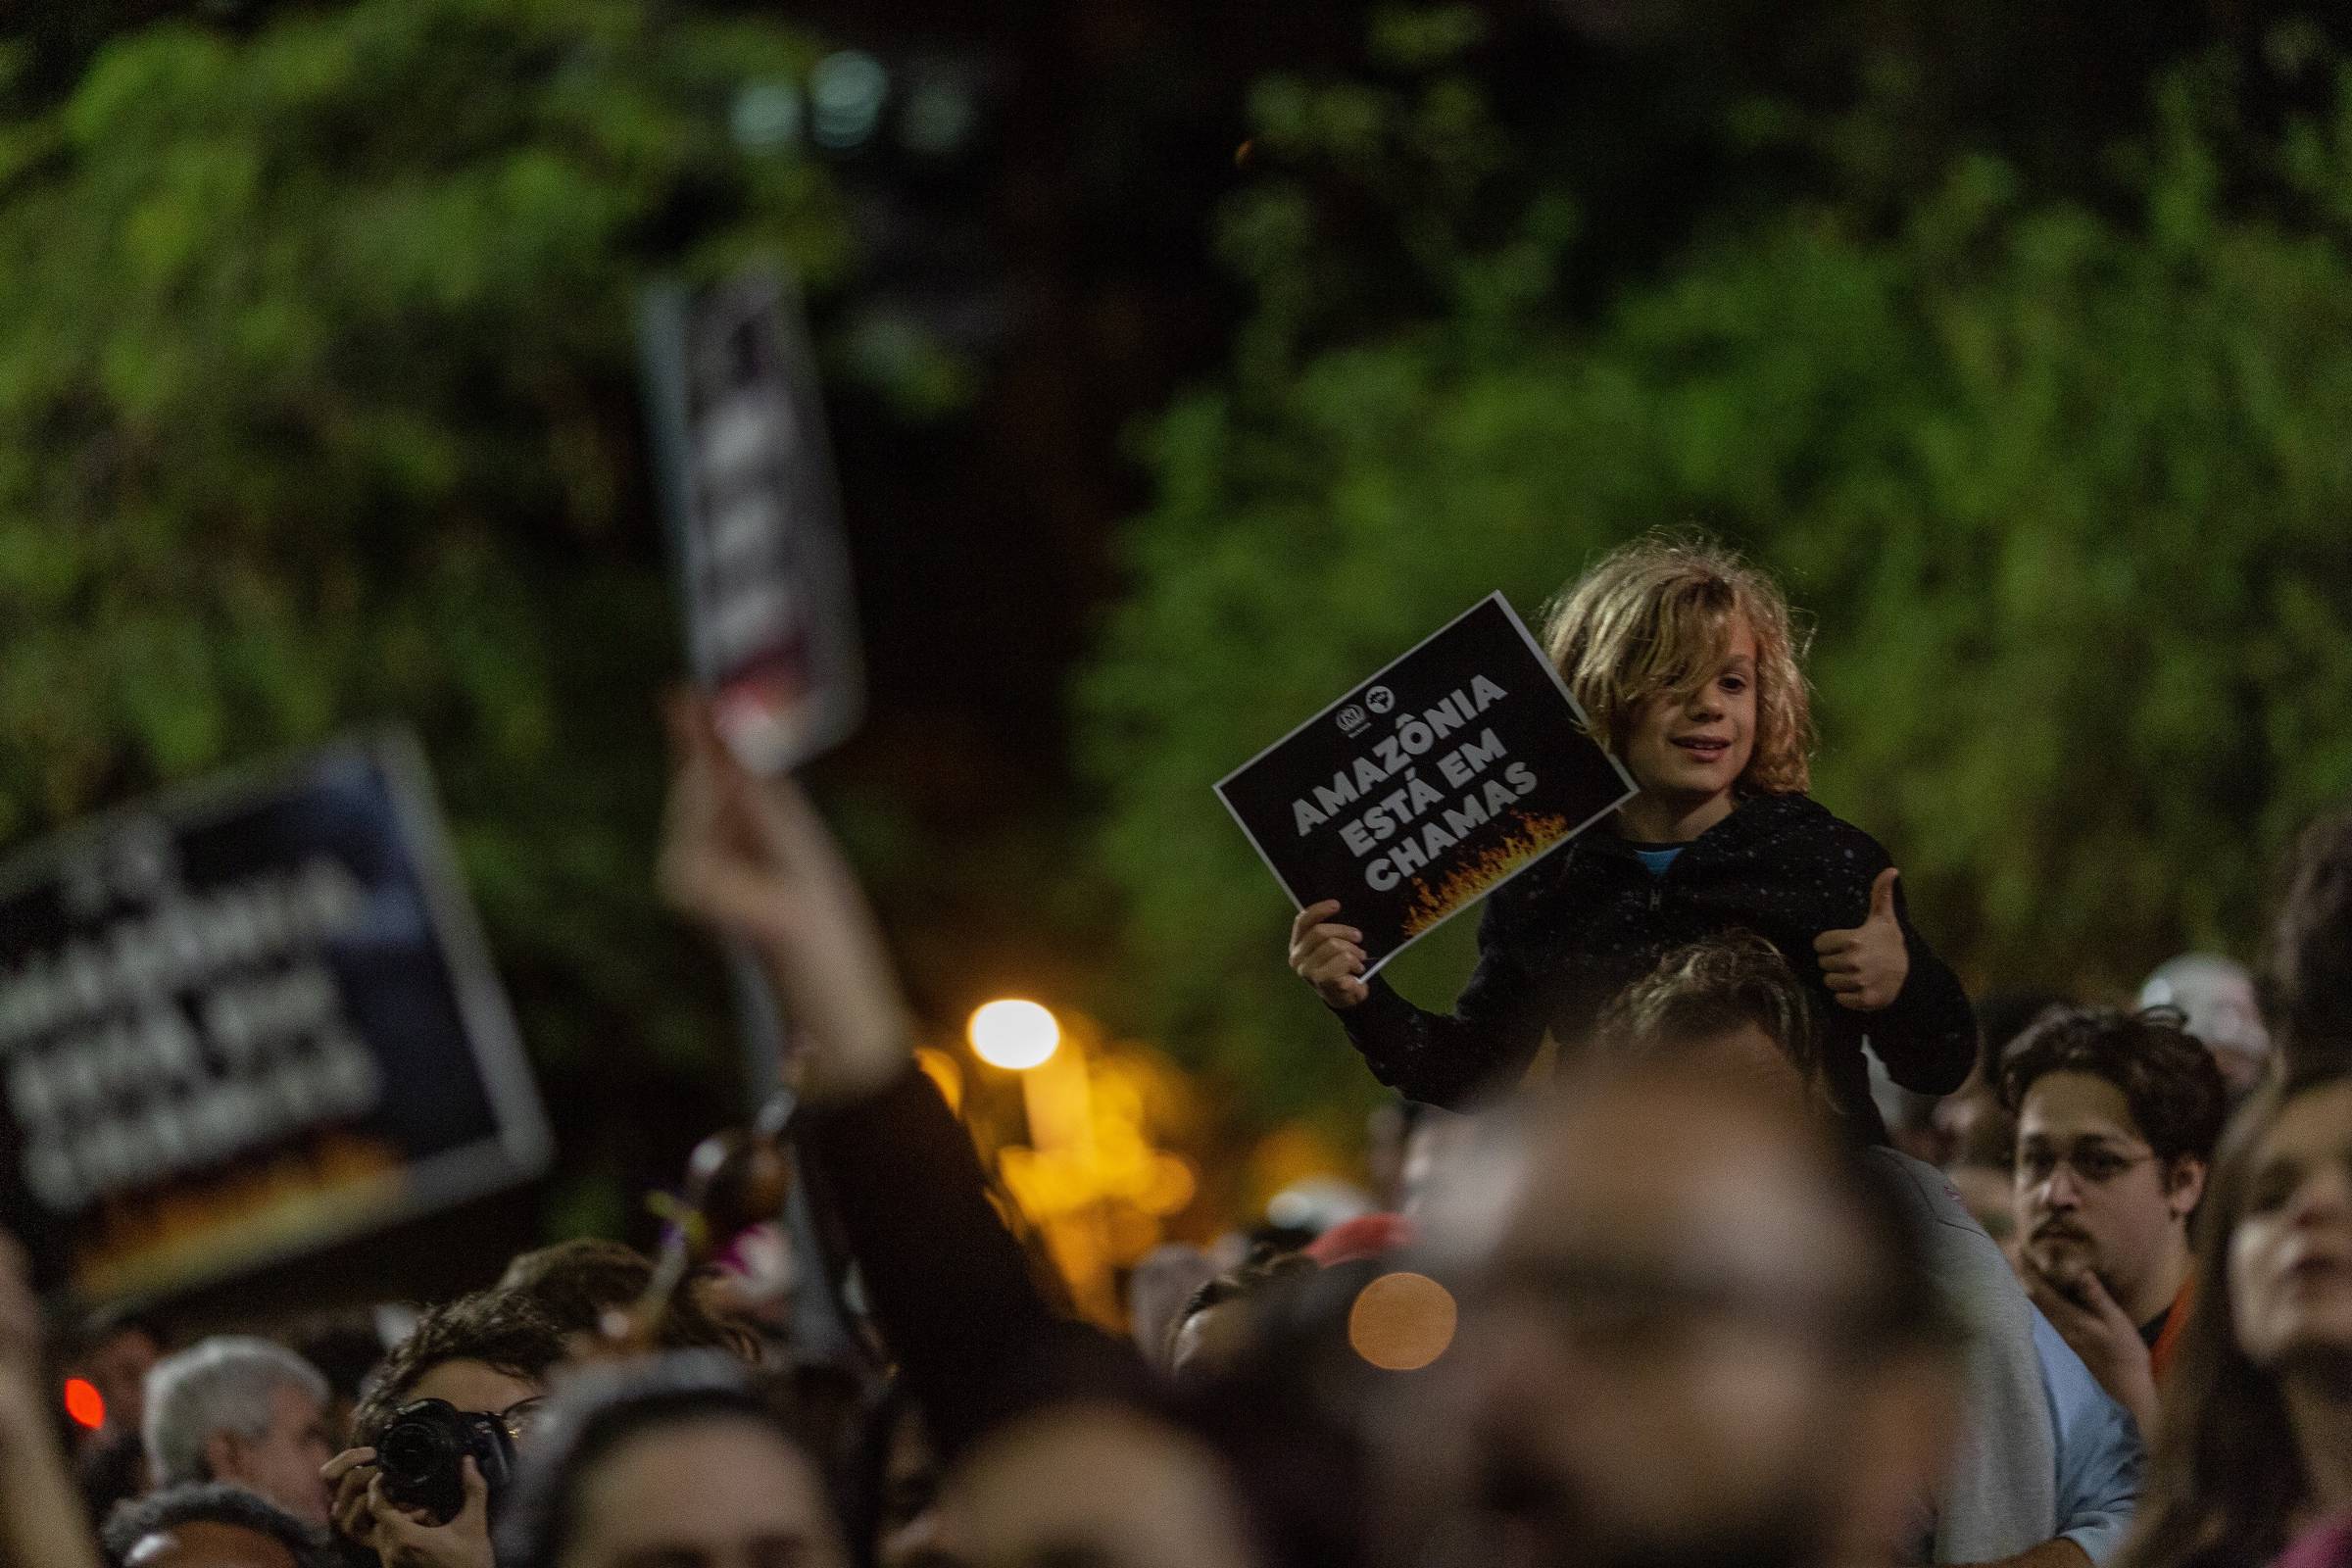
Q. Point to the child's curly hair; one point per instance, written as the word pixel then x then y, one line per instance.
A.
pixel 1655 617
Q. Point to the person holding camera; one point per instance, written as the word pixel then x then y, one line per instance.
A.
pixel 443 1416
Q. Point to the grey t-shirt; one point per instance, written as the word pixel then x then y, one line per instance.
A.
pixel 2000 1495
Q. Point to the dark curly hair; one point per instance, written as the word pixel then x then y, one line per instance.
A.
pixel 2168 1078
pixel 576 1281
pixel 1711 988
pixel 502 1328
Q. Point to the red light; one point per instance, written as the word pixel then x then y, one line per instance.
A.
pixel 84 1404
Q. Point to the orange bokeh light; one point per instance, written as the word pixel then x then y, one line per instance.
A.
pixel 1402 1322
pixel 84 1404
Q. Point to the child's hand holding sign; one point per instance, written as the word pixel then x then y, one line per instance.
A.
pixel 1866 967
pixel 1328 957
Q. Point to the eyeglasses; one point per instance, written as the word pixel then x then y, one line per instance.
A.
pixel 2095 1165
pixel 521 1418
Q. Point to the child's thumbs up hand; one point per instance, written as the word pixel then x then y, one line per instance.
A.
pixel 1866 967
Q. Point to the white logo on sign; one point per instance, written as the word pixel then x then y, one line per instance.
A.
pixel 1353 720
pixel 1380 698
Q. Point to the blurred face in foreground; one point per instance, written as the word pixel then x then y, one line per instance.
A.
pixel 1746 1062
pixel 1658 1368
pixel 2290 1253
pixel 1095 1485
pixel 711 1494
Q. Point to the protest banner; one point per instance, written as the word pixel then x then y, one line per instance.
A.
pixel 754 518
pixel 771 626
pixel 1448 772
pixel 244 1021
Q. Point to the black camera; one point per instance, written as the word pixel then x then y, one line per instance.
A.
pixel 421 1455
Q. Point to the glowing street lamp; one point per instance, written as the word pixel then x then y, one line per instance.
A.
pixel 1012 1034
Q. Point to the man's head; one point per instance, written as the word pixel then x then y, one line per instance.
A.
pixel 489 1353
pixel 1702 1339
pixel 2310 960
pixel 1730 1009
pixel 116 1353
pixel 212 1525
pixel 2116 1117
pixel 675 1461
pixel 1095 1485
pixel 579 1282
pixel 241 1411
pixel 2216 998
pixel 1159 1290
pixel 1211 1331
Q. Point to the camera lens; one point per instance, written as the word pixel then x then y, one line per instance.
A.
pixel 412 1451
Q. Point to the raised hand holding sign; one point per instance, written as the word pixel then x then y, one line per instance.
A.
pixel 1448 772
pixel 750 858
pixel 1328 956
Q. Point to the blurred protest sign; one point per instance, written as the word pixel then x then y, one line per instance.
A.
pixel 771 627
pixel 1446 774
pixel 246 1020
pixel 748 484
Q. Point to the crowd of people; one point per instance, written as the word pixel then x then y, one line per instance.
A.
pixel 1720 1228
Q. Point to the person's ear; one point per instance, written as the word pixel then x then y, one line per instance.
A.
pixel 2184 1184
pixel 224 1456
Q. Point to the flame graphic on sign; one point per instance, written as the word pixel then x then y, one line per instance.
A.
pixel 1472 878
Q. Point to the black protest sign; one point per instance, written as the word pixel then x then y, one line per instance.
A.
pixel 243 1022
pixel 1439 779
pixel 755 517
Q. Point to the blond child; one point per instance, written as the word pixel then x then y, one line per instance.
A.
pixel 1685 662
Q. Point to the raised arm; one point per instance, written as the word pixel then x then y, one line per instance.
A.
pixel 950 1287
pixel 1913 1006
pixel 40 1510
pixel 1447 1058
pixel 1927 1035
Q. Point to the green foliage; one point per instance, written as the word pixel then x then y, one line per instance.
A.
pixel 2066 491
pixel 1373 200
pixel 318 405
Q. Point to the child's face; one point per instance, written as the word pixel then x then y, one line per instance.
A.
pixel 1691 749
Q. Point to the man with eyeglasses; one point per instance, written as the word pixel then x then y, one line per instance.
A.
pixel 2118 1115
pixel 1699 1340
